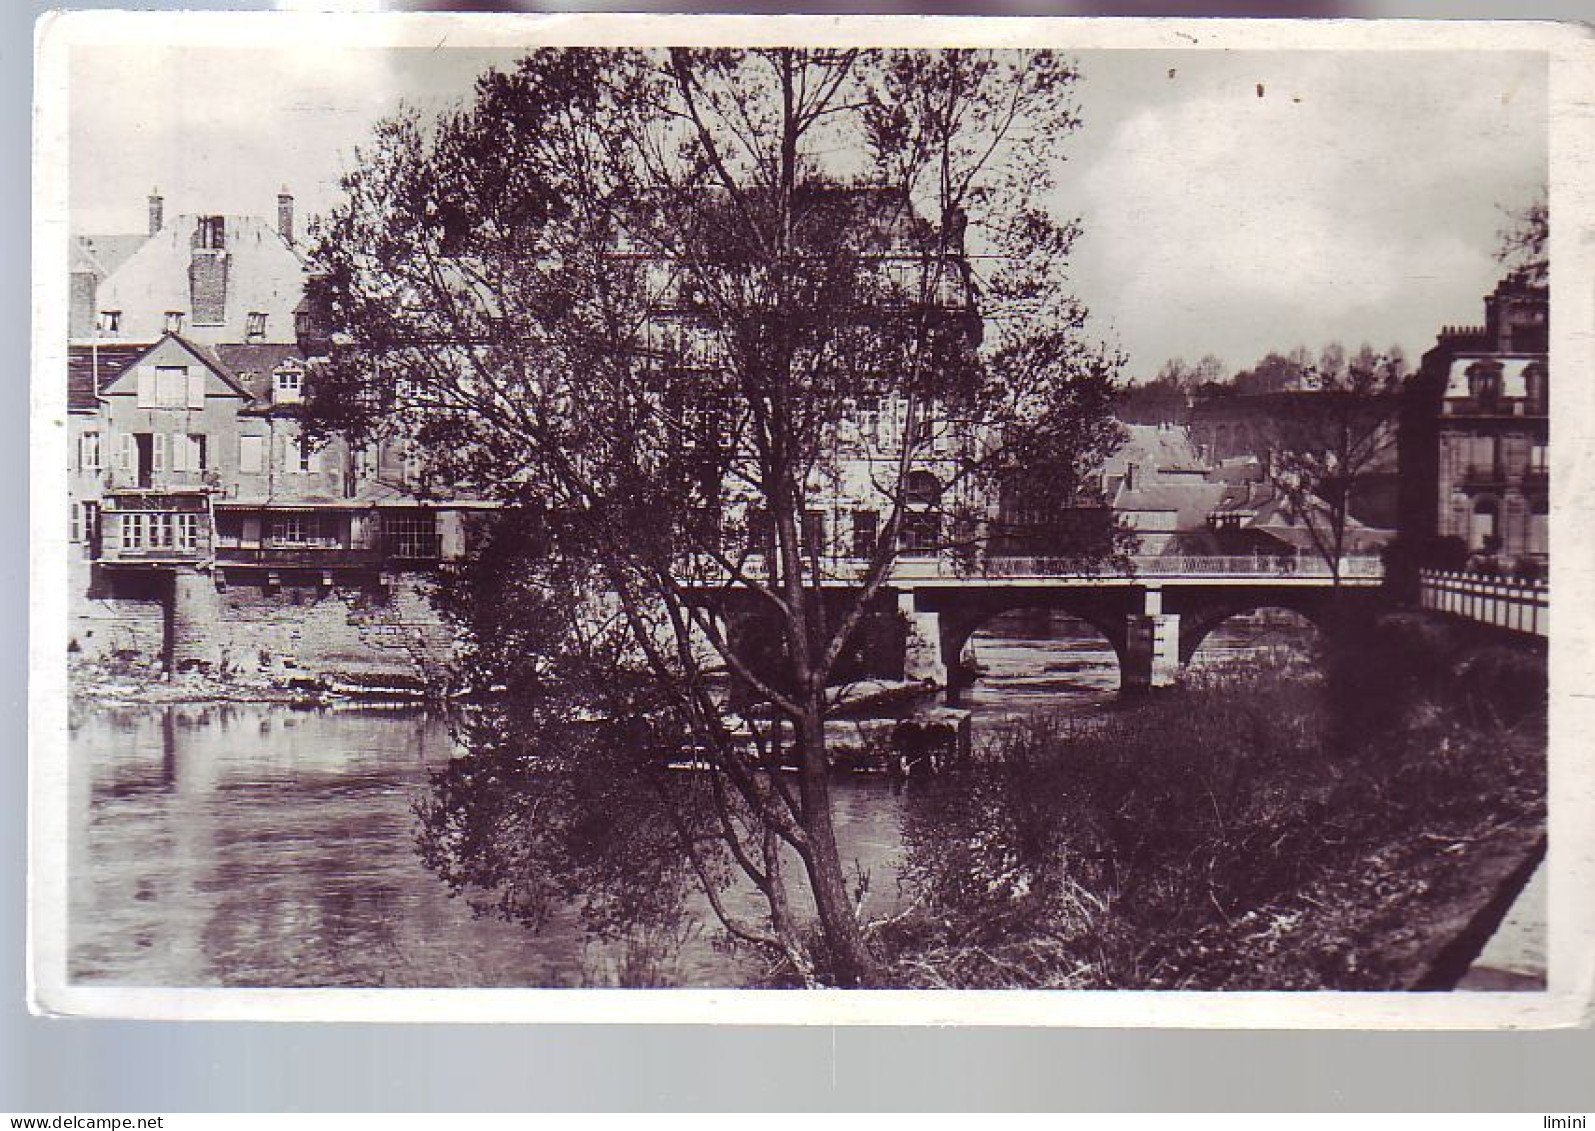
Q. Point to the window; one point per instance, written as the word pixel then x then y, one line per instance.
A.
pixel 188 452
pixel 924 489
pixel 1484 533
pixel 76 530
pixel 411 535
pixel 299 456
pixel 303 529
pixel 288 384
pixel 1484 384
pixel 174 321
pixel 132 532
pixel 814 533
pixel 89 452
pixel 91 528
pixel 866 530
pixel 251 454
pixel 188 532
pixel 1537 389
pixel 212 233
pixel 1539 459
pixel 171 386
pixel 921 533
pixel 111 322
pixel 256 324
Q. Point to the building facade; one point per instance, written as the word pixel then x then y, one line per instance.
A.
pixel 206 530
pixel 1475 436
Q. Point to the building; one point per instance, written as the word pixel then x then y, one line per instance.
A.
pixel 1474 442
pixel 206 530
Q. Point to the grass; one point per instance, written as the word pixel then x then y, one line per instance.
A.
pixel 1246 830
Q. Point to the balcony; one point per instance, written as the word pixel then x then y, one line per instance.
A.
pixel 300 557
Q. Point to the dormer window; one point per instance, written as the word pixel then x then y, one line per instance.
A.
pixel 211 235
pixel 1484 385
pixel 174 321
pixel 1536 388
pixel 256 327
pixel 111 322
pixel 288 385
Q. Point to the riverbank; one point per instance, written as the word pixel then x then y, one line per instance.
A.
pixel 134 683
pixel 1257 829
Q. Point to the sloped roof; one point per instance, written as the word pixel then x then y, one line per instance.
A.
pixel 92 366
pixel 105 253
pixel 252 363
pixel 1153 448
pixel 199 353
pixel 1190 502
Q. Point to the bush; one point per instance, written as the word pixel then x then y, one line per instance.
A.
pixel 1101 852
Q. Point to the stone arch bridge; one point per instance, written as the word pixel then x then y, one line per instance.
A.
pixel 1155 613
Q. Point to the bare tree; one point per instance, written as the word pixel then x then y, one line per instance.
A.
pixel 1328 442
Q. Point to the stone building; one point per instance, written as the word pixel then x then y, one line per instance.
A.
pixel 205 529
pixel 1475 432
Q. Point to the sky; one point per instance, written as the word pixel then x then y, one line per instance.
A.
pixel 1233 202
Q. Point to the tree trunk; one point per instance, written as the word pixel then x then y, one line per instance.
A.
pixel 853 966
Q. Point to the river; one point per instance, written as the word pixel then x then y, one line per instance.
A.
pixel 267 845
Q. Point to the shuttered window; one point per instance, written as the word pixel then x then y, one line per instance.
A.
pixel 251 454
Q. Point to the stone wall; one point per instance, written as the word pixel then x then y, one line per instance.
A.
pixel 356 630
pixel 366 631
pixel 115 617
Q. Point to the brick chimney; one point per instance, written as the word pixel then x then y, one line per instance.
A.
pixel 285 216
pixel 157 211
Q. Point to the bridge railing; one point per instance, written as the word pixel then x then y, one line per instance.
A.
pixel 1361 568
pixel 1185 565
pixel 1522 606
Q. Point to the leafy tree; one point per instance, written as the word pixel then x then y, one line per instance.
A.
pixel 657 303
pixel 1275 373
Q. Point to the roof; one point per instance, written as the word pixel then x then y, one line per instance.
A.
pixel 1190 502
pixel 116 357
pixel 105 253
pixel 90 366
pixel 1513 382
pixel 1154 448
pixel 252 364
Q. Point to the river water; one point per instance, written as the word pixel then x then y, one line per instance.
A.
pixel 266 845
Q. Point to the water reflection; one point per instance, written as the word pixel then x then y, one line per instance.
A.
pixel 262 845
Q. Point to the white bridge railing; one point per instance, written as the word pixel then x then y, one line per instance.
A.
pixel 1522 606
pixel 1161 566
pixel 1359 568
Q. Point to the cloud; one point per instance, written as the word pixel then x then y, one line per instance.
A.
pixel 1355 198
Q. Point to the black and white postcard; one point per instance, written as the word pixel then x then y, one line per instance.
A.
pixel 812 520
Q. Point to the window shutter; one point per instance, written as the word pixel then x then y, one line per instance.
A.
pixel 146 386
pixel 124 452
pixel 196 388
pixel 158 447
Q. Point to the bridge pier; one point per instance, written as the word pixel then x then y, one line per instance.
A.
pixel 923 655
pixel 1151 655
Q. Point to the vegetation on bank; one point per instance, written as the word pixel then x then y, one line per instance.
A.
pixel 1263 827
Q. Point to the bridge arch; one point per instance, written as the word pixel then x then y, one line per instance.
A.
pixel 958 627
pixel 1199 623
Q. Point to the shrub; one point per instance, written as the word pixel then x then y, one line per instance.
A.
pixel 1103 852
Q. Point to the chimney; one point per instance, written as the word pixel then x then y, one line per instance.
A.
pixel 157 211
pixel 285 216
